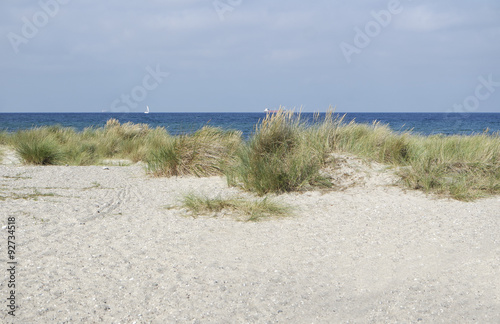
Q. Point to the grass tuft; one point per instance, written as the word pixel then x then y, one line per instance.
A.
pixel 284 154
pixel 204 153
pixel 250 210
pixel 59 145
pixel 35 148
pixel 461 167
pixel 278 158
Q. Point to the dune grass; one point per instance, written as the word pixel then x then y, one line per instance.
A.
pixel 250 210
pixel 280 157
pixel 38 146
pixel 461 167
pixel 284 153
pixel 204 153
pixel 4 137
pixel 4 143
pixel 375 141
pixel 62 145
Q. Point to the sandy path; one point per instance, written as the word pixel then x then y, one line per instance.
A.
pixel 99 246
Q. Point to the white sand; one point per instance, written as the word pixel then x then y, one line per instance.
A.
pixel 104 248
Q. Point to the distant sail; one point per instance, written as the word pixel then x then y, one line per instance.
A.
pixel 147 110
pixel 271 111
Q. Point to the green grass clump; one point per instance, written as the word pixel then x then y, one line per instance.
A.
pixel 284 153
pixel 204 153
pixel 38 146
pixel 377 142
pixel 278 158
pixel 251 210
pixel 4 142
pixel 461 167
pixel 117 140
pixel 4 137
pixel 63 145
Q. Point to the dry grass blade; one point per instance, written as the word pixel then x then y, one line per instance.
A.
pixel 250 210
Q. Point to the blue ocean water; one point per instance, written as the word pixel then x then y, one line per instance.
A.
pixel 177 123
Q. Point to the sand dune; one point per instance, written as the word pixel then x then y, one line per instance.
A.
pixel 96 245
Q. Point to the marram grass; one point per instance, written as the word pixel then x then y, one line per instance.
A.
pixel 204 153
pixel 278 158
pixel 38 146
pixel 461 167
pixel 284 154
pixel 63 145
pixel 245 209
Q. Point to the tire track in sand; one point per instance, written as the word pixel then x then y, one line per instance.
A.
pixel 129 193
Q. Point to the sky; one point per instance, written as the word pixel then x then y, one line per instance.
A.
pixel 244 56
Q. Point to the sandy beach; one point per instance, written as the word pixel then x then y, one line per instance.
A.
pixel 97 245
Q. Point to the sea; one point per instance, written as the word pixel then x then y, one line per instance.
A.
pixel 182 123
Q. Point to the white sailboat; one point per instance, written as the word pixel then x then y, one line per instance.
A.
pixel 147 110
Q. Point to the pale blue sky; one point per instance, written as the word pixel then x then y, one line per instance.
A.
pixel 244 56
